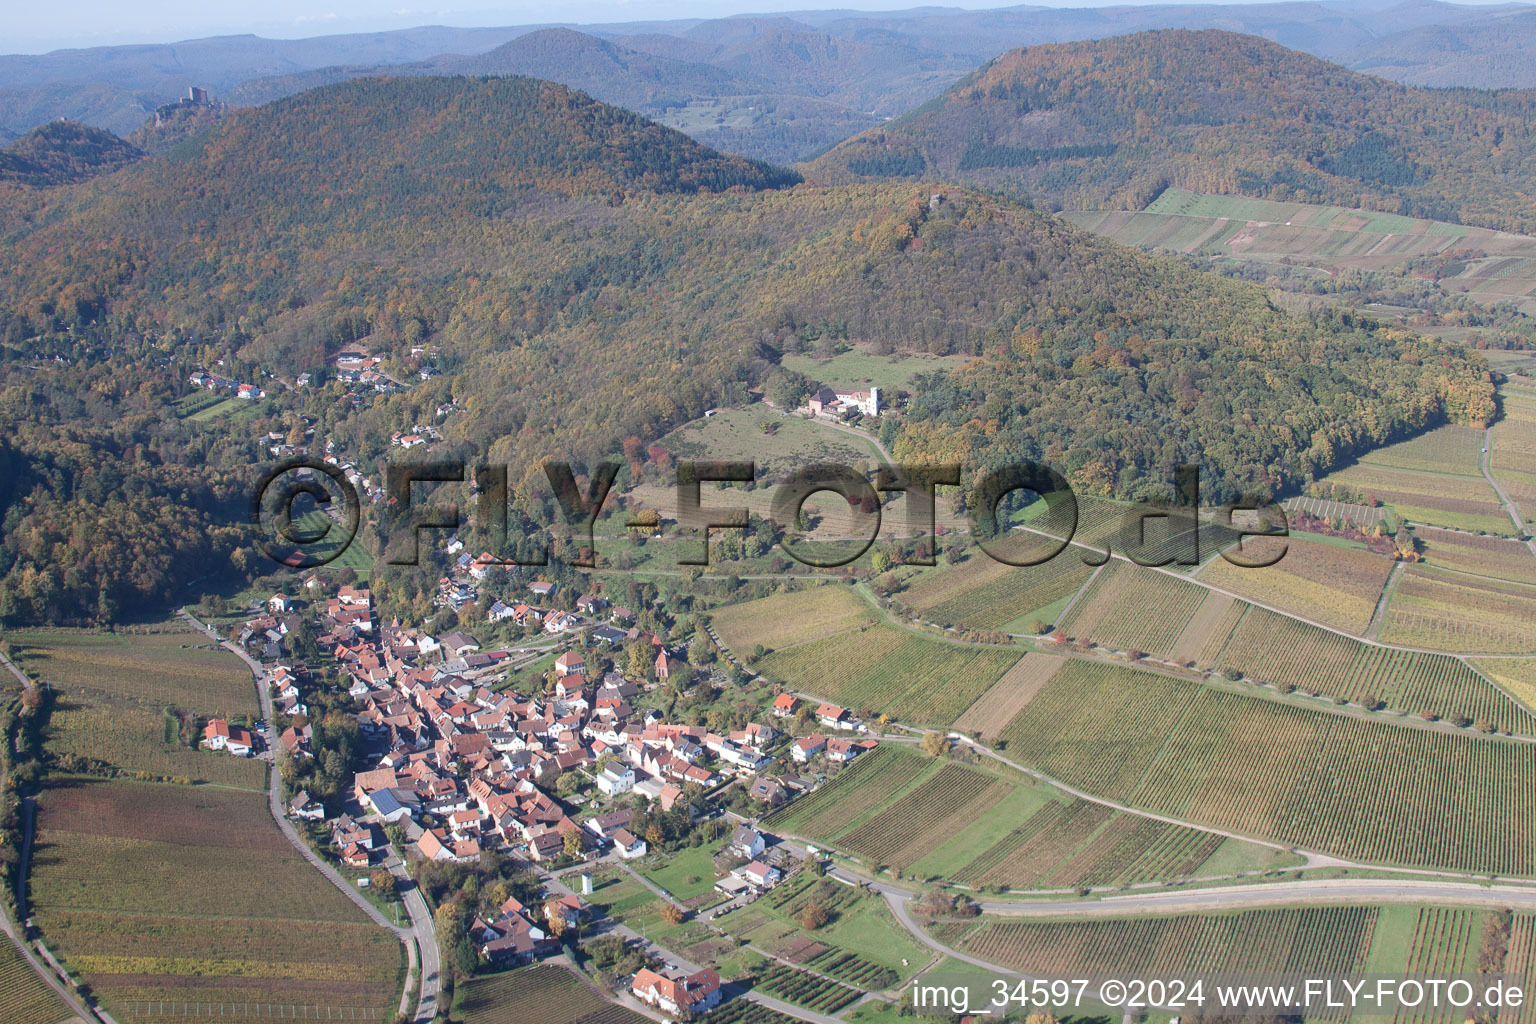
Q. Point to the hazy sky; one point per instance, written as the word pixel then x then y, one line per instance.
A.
pixel 27 27
pixel 35 27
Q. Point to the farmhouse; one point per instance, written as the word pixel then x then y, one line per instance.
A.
pixel 676 993
pixel 220 735
pixel 836 402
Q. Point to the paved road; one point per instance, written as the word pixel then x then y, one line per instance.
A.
pixel 1485 463
pixel 420 935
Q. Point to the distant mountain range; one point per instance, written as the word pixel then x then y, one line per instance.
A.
pixel 779 88
pixel 1114 122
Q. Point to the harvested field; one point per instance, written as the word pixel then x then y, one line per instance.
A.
pixel 1007 697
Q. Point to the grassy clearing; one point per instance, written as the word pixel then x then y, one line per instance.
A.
pixel 688 873
pixel 543 993
pixel 742 435
pixel 797 617
pixel 860 368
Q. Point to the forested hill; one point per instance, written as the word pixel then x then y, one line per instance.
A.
pixel 410 138
pixel 1110 123
pixel 63 152
pixel 504 226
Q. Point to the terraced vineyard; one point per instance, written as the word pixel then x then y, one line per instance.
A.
pixel 1445 943
pixel 139 736
pixel 1357 787
pixel 1335 585
pixel 1439 499
pixel 1276 649
pixel 1512 456
pixel 1495 557
pixel 1316 940
pixel 982 593
pixel 1068 845
pixel 1521 962
pixel 24 997
pixel 1008 695
pixel 1449 449
pixel 854 969
pixel 885 669
pixel 953 798
pixel 173 666
pixel 222 908
pixel 858 789
pixel 1456 612
pixel 1127 606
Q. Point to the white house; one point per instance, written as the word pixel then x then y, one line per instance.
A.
pixel 615 779
pixel 748 842
pixel 628 844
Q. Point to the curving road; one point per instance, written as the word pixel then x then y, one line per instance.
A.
pixel 419 939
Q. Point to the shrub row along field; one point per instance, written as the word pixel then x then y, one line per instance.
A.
pixel 1335 585
pixel 983 593
pixel 1357 787
pixel 176 667
pixel 1067 845
pixel 791 618
pixel 221 907
pixel 24 997
pixel 802 988
pixel 1456 612
pixel 1439 499
pixel 1497 557
pixel 1128 606
pixel 1275 649
pixel 885 669
pixel 543 993
pixel 1315 941
pixel 1007 697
